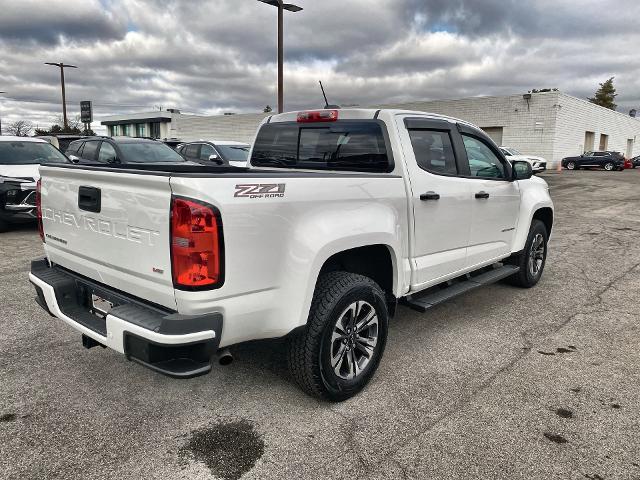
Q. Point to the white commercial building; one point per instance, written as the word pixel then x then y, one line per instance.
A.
pixel 552 125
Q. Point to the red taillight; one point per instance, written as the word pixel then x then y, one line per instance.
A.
pixel 39 208
pixel 318 116
pixel 196 245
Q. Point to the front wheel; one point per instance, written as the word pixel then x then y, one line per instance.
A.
pixel 571 166
pixel 532 259
pixel 339 350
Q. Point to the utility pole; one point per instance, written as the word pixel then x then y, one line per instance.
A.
pixel 1 118
pixel 64 101
pixel 281 7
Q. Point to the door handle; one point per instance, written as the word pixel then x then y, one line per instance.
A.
pixel 430 196
pixel 90 199
pixel 482 194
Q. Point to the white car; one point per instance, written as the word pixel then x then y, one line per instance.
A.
pixel 538 164
pixel 20 158
pixel 340 215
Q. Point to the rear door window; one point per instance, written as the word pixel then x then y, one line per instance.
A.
pixel 433 151
pixel 191 151
pixel 89 150
pixel 352 145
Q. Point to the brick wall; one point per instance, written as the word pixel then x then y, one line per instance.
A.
pixel 239 128
pixel 576 116
pixel 527 128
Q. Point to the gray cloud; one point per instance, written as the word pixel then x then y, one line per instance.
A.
pixel 215 56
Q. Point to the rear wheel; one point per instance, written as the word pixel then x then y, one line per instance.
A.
pixel 339 350
pixel 608 166
pixel 532 259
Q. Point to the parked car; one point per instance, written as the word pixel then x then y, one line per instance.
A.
pixel 340 215
pixel 218 152
pixel 121 150
pixel 604 159
pixel 635 162
pixel 538 164
pixel 20 158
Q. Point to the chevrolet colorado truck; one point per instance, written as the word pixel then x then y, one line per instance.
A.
pixel 340 215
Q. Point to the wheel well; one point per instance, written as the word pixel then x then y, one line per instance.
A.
pixel 373 261
pixel 545 215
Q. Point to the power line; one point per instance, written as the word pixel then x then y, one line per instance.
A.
pixel 36 100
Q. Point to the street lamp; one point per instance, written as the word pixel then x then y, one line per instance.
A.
pixel 1 118
pixel 281 7
pixel 64 102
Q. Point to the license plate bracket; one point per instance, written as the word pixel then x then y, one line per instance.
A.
pixel 100 306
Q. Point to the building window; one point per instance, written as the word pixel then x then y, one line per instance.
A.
pixel 140 129
pixel 126 130
pixel 113 130
pixel 154 130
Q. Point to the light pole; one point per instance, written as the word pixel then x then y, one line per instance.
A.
pixel 64 102
pixel 1 118
pixel 281 7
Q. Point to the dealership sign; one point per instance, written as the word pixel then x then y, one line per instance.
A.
pixel 86 112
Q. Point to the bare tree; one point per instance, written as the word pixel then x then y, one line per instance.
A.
pixel 20 128
pixel 74 123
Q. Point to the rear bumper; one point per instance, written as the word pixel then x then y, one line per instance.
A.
pixel 167 342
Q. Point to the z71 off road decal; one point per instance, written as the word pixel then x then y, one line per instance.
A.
pixel 260 190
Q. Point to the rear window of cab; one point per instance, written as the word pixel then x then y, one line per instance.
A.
pixel 347 145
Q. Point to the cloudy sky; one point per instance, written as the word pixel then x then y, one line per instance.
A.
pixel 219 55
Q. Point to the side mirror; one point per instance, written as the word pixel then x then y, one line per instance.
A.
pixel 74 159
pixel 215 159
pixel 521 170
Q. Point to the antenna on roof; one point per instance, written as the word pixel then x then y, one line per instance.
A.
pixel 326 102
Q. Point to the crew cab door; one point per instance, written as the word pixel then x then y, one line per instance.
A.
pixel 495 200
pixel 439 199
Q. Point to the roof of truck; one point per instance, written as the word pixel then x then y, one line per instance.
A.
pixel 362 114
pixel 12 138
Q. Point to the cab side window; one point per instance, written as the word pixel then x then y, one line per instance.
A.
pixel 206 151
pixel 107 153
pixel 433 151
pixel 482 161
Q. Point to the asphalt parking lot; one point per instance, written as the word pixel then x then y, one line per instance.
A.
pixel 500 383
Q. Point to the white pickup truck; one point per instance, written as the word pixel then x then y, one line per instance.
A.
pixel 340 215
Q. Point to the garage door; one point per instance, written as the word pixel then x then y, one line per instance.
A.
pixel 495 133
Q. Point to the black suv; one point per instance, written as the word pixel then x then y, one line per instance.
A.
pixel 607 160
pixel 206 152
pixel 119 150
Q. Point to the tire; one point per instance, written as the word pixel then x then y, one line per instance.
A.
pixel 4 226
pixel 571 166
pixel 608 166
pixel 312 352
pixel 528 277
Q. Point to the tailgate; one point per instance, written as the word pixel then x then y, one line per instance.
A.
pixel 112 227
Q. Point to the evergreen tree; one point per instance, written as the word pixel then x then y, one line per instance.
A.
pixel 605 95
